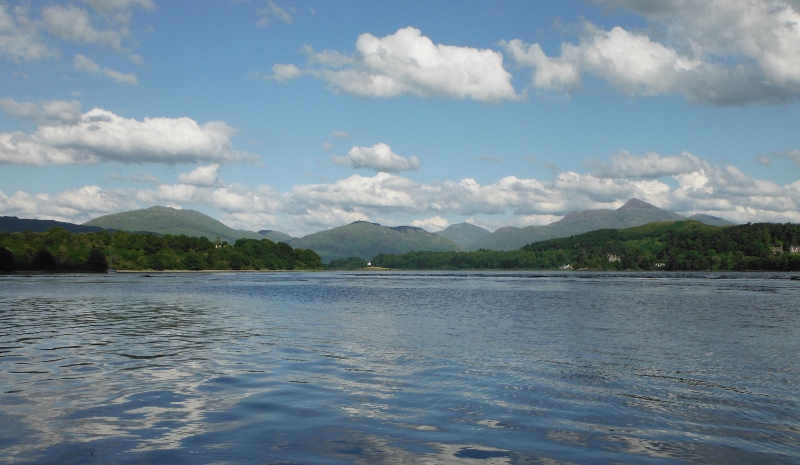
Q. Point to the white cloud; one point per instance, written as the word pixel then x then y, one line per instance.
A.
pixel 284 73
pixel 202 176
pixel 340 134
pixel 432 224
pixel 379 157
pixel 74 24
pixel 716 51
pixel 551 73
pixel 273 10
pixel 52 112
pixel 279 12
pixel 19 36
pixel 793 155
pixel 102 136
pixel 83 63
pixel 328 58
pixel 408 63
pixel 74 205
pixel 723 191
pixel 652 165
pixel 125 78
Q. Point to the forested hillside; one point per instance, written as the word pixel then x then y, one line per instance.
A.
pixel 679 245
pixel 167 220
pixel 59 250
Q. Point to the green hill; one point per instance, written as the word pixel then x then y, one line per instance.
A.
pixel 167 220
pixel 711 220
pixel 633 213
pixel 275 236
pixel 365 240
pixel 684 245
pixel 464 234
pixel 14 224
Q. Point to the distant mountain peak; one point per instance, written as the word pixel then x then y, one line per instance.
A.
pixel 636 204
pixel 169 220
pixel 405 229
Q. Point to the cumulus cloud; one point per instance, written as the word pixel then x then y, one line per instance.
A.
pixel 74 24
pixel 432 224
pixel 73 205
pixel 284 73
pixel 19 36
pixel 723 191
pixel 651 165
pixel 125 78
pixel 718 51
pixel 53 112
pixel 202 176
pixel 408 63
pixel 83 63
pixel 379 157
pixel 101 136
pixel 701 188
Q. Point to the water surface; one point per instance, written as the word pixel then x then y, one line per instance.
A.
pixel 339 368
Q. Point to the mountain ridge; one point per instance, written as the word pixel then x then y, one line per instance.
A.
pixel 365 240
pixel 167 220
pixel 353 239
pixel 14 224
pixel 633 213
pixel 464 234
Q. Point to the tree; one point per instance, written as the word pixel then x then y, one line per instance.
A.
pixel 7 260
pixel 96 262
pixel 43 260
pixel 237 261
pixel 191 261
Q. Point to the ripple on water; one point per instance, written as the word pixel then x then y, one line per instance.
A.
pixel 399 368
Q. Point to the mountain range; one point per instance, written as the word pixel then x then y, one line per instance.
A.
pixel 364 239
pixel 634 213
pixel 464 234
pixel 168 220
pixel 14 224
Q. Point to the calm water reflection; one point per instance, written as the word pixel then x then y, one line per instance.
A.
pixel 400 368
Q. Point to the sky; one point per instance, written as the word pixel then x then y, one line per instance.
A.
pixel 300 116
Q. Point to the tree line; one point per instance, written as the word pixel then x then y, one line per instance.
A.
pixel 676 246
pixel 59 250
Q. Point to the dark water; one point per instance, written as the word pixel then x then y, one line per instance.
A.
pixel 342 368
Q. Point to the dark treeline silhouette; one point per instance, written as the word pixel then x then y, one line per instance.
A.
pixel 59 250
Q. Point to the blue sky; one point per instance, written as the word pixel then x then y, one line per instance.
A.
pixel 304 115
